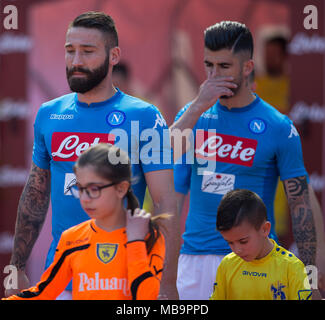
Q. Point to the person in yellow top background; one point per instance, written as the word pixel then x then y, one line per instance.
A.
pixel 258 268
pixel 274 87
pixel 116 255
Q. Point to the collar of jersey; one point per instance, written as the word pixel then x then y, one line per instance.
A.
pixel 98 230
pixel 242 109
pixel 112 99
pixel 262 260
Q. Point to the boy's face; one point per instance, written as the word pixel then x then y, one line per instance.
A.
pixel 247 242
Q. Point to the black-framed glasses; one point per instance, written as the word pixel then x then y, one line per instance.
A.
pixel 93 191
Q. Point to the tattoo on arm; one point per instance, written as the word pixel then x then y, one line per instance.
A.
pixel 303 225
pixel 32 209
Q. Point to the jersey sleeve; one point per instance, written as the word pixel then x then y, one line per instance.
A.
pixel 54 279
pixel 299 287
pixel 182 177
pixel 182 169
pixel 41 156
pixel 289 152
pixel 155 151
pixel 220 285
pixel 145 270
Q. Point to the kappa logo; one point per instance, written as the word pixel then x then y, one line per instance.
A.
pixel 115 118
pixel 159 121
pixel 293 132
pixel 106 251
pixel 55 116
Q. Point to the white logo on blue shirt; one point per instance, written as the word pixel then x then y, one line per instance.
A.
pixel 293 132
pixel 257 126
pixel 159 121
pixel 115 118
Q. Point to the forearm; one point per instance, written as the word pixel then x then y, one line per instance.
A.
pixel 317 214
pixel 170 229
pixel 32 209
pixel 181 131
pixel 303 225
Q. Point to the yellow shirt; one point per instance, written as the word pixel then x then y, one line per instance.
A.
pixel 278 276
pixel 275 91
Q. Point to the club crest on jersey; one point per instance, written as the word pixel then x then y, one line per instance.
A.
pixel 106 251
pixel 277 291
pixel 257 126
pixel 115 118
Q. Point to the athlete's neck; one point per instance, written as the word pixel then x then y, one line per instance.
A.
pixel 102 92
pixel 240 100
pixel 266 249
pixel 112 222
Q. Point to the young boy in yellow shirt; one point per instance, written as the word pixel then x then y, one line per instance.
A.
pixel 258 268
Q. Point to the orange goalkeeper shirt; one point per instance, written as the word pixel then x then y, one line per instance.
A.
pixel 102 265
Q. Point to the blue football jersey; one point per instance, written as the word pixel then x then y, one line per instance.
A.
pixel 65 127
pixel 247 148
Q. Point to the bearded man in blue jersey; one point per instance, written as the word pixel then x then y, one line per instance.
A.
pixel 237 141
pixel 95 112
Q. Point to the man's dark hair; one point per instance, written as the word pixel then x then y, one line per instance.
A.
pixel 239 205
pixel 230 35
pixel 122 68
pixel 279 40
pixel 100 21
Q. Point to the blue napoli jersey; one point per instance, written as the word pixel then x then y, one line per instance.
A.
pixel 247 148
pixel 65 127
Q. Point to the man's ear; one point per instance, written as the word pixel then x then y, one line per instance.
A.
pixel 114 55
pixel 248 67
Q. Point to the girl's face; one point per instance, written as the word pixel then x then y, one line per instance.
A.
pixel 109 204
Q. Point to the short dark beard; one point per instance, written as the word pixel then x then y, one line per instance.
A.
pixel 239 83
pixel 93 79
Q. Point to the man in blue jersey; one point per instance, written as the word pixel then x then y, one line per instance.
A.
pixel 96 112
pixel 237 141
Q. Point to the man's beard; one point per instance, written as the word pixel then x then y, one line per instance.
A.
pixel 93 77
pixel 238 81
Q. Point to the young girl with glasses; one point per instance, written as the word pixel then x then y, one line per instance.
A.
pixel 118 253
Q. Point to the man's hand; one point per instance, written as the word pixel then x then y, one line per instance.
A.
pixel 212 89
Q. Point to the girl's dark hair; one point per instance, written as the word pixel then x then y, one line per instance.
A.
pixel 113 164
pixel 230 35
pixel 99 21
pixel 239 205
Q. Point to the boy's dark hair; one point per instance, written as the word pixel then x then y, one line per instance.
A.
pixel 239 205
pixel 230 35
pixel 100 21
